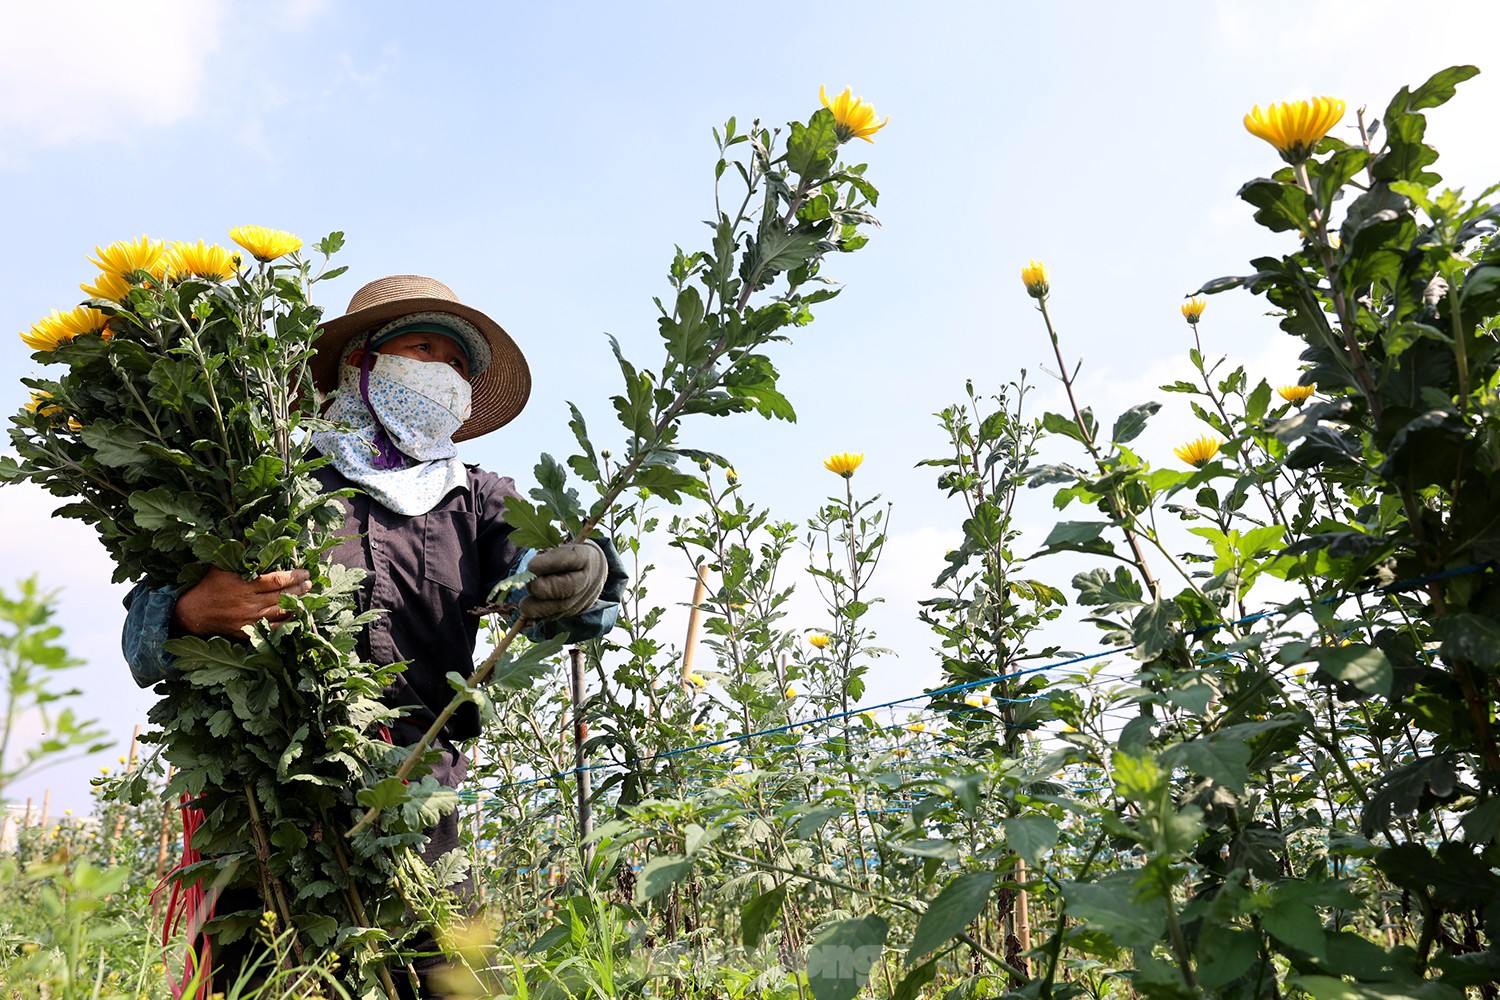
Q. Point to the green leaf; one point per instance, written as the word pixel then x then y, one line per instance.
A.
pixel 1296 923
pixel 686 334
pixel 911 984
pixel 1224 954
pixel 841 956
pixel 1130 423
pixel 759 913
pixel 1470 638
pixel 1440 87
pixel 1097 588
pixel 1152 631
pixel 954 909
pixel 388 792
pixel 1030 836
pixel 553 495
pixel 659 875
pixel 810 147
pixel 1109 906
pixel 163 508
pixel 1366 667
pixel 1279 207
pixel 1224 761
pixel 1421 784
pixel 115 444
pixel 532 530
pixel 1331 988
pixel 814 821
pixel 1075 535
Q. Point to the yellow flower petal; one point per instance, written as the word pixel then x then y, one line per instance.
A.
pixel 60 327
pixel 853 118
pixel 819 640
pixel 108 286
pixel 844 463
pixel 1295 127
pixel 1192 310
pixel 125 258
pixel 1034 276
pixel 202 261
pixel 264 244
pixel 1296 393
pixel 1198 452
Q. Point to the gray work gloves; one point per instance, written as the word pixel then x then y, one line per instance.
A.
pixel 569 579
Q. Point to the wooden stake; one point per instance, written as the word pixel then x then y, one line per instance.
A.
pixel 474 853
pixel 46 805
pixel 1023 917
pixel 161 840
pixel 26 820
pixel 690 644
pixel 580 734
pixel 120 819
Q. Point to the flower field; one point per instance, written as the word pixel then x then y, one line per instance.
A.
pixel 1263 765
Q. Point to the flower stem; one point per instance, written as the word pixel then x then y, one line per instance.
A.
pixel 1118 509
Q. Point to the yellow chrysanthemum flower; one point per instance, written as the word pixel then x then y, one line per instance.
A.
pixel 696 680
pixel 1192 310
pixel 1197 453
pixel 201 260
pixel 917 727
pixel 39 403
pixel 844 463
pixel 108 286
pixel 819 640
pixel 61 327
pixel 731 475
pixel 130 257
pixel 790 692
pixel 973 701
pixel 1296 393
pixel 853 118
pixel 1295 127
pixel 1034 275
pixel 265 245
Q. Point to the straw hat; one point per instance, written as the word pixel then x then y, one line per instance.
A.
pixel 500 391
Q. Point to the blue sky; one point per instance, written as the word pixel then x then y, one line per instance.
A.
pixel 544 159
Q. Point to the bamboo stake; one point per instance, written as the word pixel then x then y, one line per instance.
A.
pixel 26 820
pixel 690 644
pixel 161 840
pixel 1023 918
pixel 580 734
pixel 474 852
pixel 46 805
pixel 120 819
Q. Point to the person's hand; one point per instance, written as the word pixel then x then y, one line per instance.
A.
pixel 224 603
pixel 569 579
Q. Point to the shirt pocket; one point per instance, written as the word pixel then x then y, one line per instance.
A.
pixel 449 557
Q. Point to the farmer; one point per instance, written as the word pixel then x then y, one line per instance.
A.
pixel 415 371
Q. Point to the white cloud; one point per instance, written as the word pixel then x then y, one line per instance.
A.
pixel 97 69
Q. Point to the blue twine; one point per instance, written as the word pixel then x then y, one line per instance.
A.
pixel 1395 587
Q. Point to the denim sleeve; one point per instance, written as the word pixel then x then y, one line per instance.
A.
pixel 598 619
pixel 148 624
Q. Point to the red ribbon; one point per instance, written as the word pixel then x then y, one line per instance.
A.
pixel 186 910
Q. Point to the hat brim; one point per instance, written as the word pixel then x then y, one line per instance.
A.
pixel 500 391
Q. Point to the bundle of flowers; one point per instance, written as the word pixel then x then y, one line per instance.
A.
pixel 176 426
